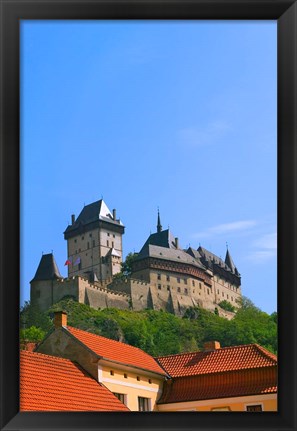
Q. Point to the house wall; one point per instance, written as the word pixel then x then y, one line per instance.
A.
pixel 135 384
pixel 268 402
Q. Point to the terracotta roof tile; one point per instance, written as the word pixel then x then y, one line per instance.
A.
pixel 117 351
pixel 207 387
pixel 216 361
pixel 48 383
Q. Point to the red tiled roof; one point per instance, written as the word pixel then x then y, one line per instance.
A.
pixel 48 383
pixel 222 385
pixel 117 351
pixel 217 361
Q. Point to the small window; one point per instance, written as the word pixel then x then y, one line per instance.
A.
pixel 107 234
pixel 120 397
pixel 218 291
pixel 125 376
pixel 185 281
pixel 223 294
pixel 113 235
pixel 168 287
pixel 90 235
pixel 200 286
pixel 143 404
pixel 159 286
pixel 75 240
pixel 193 283
pixel 167 278
pixel 88 245
pixel 138 378
pixel 159 276
pixel 178 289
pixel 254 408
pixel 208 291
pixel 150 381
pixel 82 238
pixel 178 279
pixel 112 244
pixel 111 372
pixel 107 243
pixel 186 290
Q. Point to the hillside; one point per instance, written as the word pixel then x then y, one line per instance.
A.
pixel 157 332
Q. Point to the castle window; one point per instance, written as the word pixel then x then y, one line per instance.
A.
pixel 193 290
pixel 82 237
pixel 159 276
pixel 168 287
pixel 75 240
pixel 208 291
pixel 178 279
pixel 112 243
pixel 222 293
pixel 178 289
pixel 185 281
pixel 79 250
pixel 167 278
pixel 159 286
pixel 150 381
pixel 227 296
pixel 200 286
pixel 107 243
pixel 113 235
pixel 218 291
pixel 193 283
pixel 231 298
pixel 138 378
pixel 186 290
pixel 107 234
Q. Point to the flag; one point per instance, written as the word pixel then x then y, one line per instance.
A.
pixel 68 262
pixel 77 261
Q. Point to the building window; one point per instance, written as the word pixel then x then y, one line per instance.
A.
pixel 227 296
pixel 254 408
pixel 159 276
pixel 82 238
pixel 186 291
pixel 107 234
pixel 125 376
pixel 120 397
pixel 113 235
pixel 159 286
pixel 168 287
pixel 218 291
pixel 193 283
pixel 75 240
pixel 88 245
pixel 185 281
pixel 200 286
pixel 178 289
pixel 111 372
pixel 143 404
pixel 223 294
pixel 107 243
pixel 178 279
pixel 90 235
pixel 231 298
pixel 112 244
pixel 167 278
pixel 208 291
pixel 138 378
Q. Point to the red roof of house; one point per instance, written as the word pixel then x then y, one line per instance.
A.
pixel 222 385
pixel 217 361
pixel 116 351
pixel 48 383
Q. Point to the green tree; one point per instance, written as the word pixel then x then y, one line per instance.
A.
pixel 226 305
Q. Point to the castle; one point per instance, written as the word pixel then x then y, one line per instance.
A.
pixel 164 276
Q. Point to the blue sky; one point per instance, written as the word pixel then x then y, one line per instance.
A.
pixel 179 115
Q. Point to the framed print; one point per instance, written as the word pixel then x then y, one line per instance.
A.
pixel 124 125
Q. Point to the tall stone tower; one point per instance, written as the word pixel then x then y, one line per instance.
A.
pixel 94 243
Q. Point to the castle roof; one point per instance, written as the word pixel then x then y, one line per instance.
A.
pixel 47 269
pixel 92 213
pixel 116 351
pixel 175 255
pixel 163 238
pixel 49 383
pixel 227 265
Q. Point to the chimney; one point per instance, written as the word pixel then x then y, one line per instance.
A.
pixel 114 214
pixel 176 243
pixel 60 319
pixel 211 345
pixel 72 218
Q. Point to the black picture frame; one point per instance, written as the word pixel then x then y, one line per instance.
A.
pixel 285 12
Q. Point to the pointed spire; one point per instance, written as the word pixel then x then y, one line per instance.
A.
pixel 229 262
pixel 159 226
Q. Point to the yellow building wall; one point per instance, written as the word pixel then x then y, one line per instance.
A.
pixel 239 404
pixel 134 385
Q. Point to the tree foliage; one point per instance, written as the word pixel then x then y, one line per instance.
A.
pixel 161 333
pixel 226 305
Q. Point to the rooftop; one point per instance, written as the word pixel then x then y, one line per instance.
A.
pixel 48 383
pixel 216 361
pixel 116 351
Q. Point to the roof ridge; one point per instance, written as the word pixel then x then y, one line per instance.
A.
pixel 263 350
pixel 58 358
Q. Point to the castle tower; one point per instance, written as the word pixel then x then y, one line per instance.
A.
pixel 94 243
